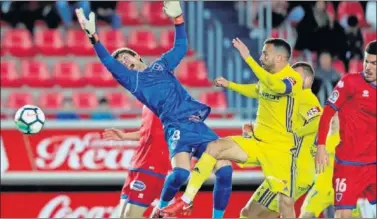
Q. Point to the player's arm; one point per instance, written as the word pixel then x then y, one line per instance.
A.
pixel 341 93
pixel 174 56
pixel 310 109
pixel 248 90
pixel 121 73
pixel 274 84
pixel 131 136
pixel 119 135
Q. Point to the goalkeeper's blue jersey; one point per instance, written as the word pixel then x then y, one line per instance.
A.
pixel 157 87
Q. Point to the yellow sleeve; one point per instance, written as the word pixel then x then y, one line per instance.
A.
pixel 274 84
pixel 310 109
pixel 248 90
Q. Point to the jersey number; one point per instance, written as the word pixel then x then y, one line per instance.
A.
pixel 340 185
pixel 176 135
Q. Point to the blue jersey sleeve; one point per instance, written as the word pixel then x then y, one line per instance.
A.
pixel 173 57
pixel 125 77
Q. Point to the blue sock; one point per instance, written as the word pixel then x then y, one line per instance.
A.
pixel 329 212
pixel 172 184
pixel 222 190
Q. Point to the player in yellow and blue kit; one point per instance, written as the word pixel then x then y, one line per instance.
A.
pixel 182 116
pixel 273 146
pixel 264 203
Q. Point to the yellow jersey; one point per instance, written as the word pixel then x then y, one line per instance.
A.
pixel 309 109
pixel 277 114
pixel 332 142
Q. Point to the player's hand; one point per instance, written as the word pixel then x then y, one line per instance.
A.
pixel 113 134
pixel 88 25
pixel 241 47
pixel 221 82
pixel 321 159
pixel 172 8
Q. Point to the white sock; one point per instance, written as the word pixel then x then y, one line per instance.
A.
pixel 367 210
pixel 186 199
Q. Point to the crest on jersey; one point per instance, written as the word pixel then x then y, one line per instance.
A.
pixel 138 185
pixel 334 96
pixel 338 196
pixel 157 67
pixel 365 93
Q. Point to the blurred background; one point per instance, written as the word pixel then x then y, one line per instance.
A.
pixel 47 60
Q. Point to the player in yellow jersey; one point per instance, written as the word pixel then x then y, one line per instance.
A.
pixel 264 203
pixel 274 144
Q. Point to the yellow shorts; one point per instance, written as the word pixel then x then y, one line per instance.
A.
pixel 267 198
pixel 276 165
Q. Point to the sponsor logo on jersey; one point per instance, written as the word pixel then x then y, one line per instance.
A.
pixel 365 93
pixel 269 96
pixel 334 96
pixel 137 185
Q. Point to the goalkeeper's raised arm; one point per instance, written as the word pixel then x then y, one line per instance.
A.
pixel 274 59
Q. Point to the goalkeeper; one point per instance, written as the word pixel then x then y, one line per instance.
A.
pixel 182 116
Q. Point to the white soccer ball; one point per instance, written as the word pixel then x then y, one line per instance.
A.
pixel 29 119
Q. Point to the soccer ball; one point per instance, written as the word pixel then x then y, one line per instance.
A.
pixel 29 119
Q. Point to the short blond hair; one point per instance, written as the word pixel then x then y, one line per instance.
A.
pixel 126 50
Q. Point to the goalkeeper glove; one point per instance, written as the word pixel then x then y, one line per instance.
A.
pixel 173 9
pixel 88 25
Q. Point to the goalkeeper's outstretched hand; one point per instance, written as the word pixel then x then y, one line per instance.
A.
pixel 172 9
pixel 88 25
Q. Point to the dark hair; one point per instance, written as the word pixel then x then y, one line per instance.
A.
pixel 352 21
pixel 371 48
pixel 307 68
pixel 121 51
pixel 281 44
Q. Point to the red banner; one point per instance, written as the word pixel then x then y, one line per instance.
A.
pixel 98 205
pixel 73 152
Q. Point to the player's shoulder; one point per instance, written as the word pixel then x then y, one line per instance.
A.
pixel 158 65
pixel 293 76
pixel 352 77
pixel 307 96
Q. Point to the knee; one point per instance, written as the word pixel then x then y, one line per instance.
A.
pixel 244 212
pixel 344 213
pixel 179 176
pixel 214 149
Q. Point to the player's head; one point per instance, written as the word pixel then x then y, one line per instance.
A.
pixel 275 54
pixel 334 126
pixel 129 58
pixel 306 71
pixel 370 61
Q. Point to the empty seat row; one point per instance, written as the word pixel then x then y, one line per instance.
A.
pixel 50 42
pixel 35 73
pixel 89 101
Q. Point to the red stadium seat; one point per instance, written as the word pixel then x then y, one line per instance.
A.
pixel 19 99
pixel 339 67
pixel 112 39
pixel 85 100
pixel 143 42
pixel 9 75
pixel 49 42
pixel 153 15
pixel 194 74
pixel 129 13
pixel 356 66
pixel 330 9
pixel 167 41
pixel 277 33
pixel 217 101
pixel 78 43
pixel 97 75
pixel 369 35
pixel 3 49
pixel 67 74
pixel 346 9
pixel 35 74
pixel 119 100
pixel 51 100
pixel 19 43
